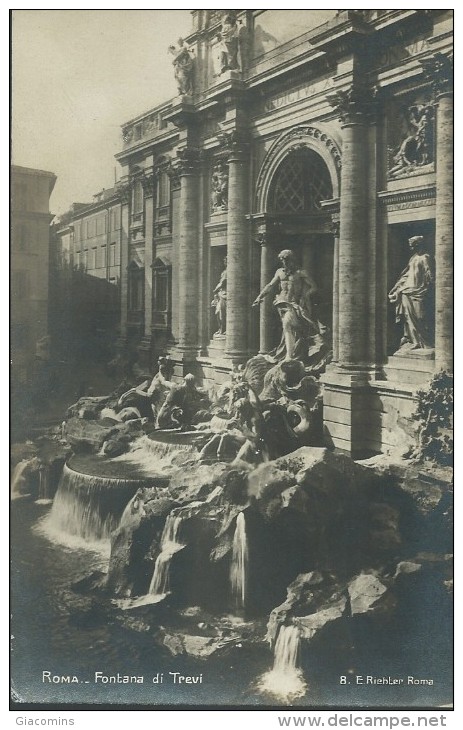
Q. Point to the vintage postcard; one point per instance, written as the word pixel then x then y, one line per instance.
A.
pixel 232 359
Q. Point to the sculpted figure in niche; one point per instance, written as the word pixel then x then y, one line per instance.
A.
pixel 411 296
pixel 183 67
pixel 219 187
pixel 219 301
pixel 294 289
pixel 228 38
pixel 416 149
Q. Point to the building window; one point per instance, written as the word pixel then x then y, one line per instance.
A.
pixel 85 260
pixel 104 256
pixel 163 189
pixel 94 259
pixel 136 287
pixel 302 182
pixel 161 295
pixel 112 255
pixel 77 227
pixel 115 219
pixel 138 131
pixel 100 225
pixel 137 197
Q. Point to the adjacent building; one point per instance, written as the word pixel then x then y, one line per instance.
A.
pixel 87 243
pixel 30 246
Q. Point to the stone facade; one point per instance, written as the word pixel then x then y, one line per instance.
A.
pixel 30 244
pixel 325 132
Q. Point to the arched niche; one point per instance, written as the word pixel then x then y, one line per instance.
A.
pixel 302 138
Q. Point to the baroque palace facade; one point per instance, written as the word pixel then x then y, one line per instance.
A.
pixel 328 133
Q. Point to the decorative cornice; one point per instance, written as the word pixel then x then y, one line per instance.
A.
pixel 394 197
pixel 438 69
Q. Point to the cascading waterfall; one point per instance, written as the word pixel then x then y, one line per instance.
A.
pixel 89 506
pixel 158 457
pixel 18 477
pixel 44 485
pixel 239 563
pixel 285 680
pixel 160 582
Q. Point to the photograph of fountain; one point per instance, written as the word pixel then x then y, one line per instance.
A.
pixel 232 369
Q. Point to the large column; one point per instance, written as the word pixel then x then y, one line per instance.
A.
pixel 149 190
pixel 267 270
pixel 187 169
pixel 444 229
pixel 353 240
pixel 237 252
pixel 336 292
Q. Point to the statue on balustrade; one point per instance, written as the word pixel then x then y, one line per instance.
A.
pixel 183 67
pixel 412 296
pixel 303 336
pixel 417 149
pixel 219 301
pixel 228 37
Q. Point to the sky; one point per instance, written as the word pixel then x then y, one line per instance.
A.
pixel 77 76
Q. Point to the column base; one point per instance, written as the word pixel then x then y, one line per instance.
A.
pixel 348 413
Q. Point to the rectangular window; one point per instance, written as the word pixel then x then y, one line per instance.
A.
pixel 160 290
pixel 100 227
pixel 137 198
pixel 94 261
pixel 138 131
pixel 163 190
pixel 112 255
pixel 104 256
pixel 85 261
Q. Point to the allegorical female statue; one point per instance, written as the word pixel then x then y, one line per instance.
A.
pixel 411 296
pixel 229 41
pixel 219 301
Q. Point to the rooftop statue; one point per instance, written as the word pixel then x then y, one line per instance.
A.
pixel 183 67
pixel 228 38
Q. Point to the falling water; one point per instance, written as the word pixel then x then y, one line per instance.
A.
pixel 45 496
pixel 239 563
pixel 285 680
pixel 18 478
pixel 160 582
pixel 88 507
pixel 153 457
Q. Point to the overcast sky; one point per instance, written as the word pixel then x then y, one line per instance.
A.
pixel 77 76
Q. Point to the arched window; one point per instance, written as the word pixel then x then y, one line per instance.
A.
pixel 302 181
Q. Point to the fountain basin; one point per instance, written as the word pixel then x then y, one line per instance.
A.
pixel 92 495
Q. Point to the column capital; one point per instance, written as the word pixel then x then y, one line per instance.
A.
pixel 186 163
pixel 234 143
pixel 148 182
pixel 355 105
pixel 438 69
